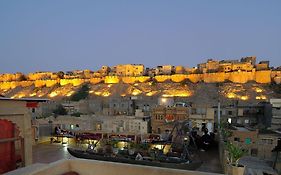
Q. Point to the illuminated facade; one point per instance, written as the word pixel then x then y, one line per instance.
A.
pixel 130 70
pixel 53 85
pixel 163 118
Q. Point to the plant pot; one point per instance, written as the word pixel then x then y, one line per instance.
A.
pixel 238 170
pixel 228 169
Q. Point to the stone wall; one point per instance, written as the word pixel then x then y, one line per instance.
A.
pixel 74 82
pixel 264 76
pixel 111 79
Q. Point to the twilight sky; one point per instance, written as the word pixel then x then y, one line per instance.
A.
pixel 68 35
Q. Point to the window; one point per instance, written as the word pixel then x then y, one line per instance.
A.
pixel 229 112
pixel 237 139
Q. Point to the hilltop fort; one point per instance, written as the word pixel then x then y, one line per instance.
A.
pixel 52 84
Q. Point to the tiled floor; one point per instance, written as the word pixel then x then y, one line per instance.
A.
pixel 46 153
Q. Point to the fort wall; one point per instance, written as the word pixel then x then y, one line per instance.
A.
pixel 162 78
pixel 39 83
pixel 214 77
pixel 143 79
pixel 263 76
pixel 195 78
pixel 51 83
pixel 95 80
pixel 178 78
pixel 240 77
pixel 8 85
pixel 25 83
pixel 129 80
pixel 74 82
pixel 7 81
pixel 111 79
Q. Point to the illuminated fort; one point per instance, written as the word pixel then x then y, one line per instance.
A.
pixel 135 79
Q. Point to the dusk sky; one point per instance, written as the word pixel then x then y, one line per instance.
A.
pixel 69 35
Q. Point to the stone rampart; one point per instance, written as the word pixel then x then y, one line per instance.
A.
pixel 51 83
pixel 129 80
pixel 111 79
pixel 178 78
pixel 214 77
pixel 195 78
pixel 74 82
pixel 240 77
pixel 9 85
pixel 143 79
pixel 162 78
pixel 39 83
pixel 263 76
pixel 95 80
pixel 25 83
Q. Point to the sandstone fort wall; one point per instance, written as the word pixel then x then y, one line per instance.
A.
pixel 8 81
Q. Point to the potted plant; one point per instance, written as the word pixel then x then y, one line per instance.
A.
pixel 234 154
